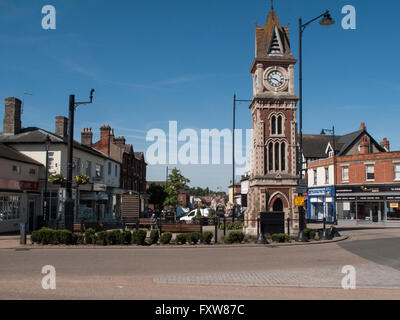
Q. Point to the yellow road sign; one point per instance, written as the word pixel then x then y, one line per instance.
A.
pixel 299 201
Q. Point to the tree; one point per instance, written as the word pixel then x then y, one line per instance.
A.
pixel 157 195
pixel 176 183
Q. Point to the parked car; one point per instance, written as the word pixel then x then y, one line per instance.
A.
pixel 189 217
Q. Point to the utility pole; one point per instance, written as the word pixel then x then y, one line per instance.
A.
pixel 69 202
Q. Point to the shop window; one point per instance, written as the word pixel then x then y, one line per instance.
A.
pixel 9 207
pixel 345 173
pixel 397 171
pixel 393 211
pixel 370 172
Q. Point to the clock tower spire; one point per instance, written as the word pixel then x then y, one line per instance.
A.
pixel 273 174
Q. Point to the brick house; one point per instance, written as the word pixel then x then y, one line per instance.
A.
pixel 133 165
pixel 360 184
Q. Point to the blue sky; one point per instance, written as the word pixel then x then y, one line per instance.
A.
pixel 155 61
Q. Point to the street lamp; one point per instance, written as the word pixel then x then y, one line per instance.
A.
pixel 69 203
pixel 233 151
pixel 45 204
pixel 326 21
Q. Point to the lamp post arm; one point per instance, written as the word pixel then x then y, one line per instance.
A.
pixel 303 26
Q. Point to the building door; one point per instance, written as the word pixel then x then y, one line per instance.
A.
pixel 31 215
pixel 278 205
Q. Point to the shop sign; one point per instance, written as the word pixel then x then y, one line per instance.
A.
pixel 29 185
pixel 394 205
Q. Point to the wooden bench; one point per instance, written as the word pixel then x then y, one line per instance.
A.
pixel 180 228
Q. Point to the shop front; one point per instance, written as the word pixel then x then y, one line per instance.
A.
pixel 321 204
pixel 378 204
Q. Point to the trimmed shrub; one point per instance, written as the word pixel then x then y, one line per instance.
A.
pixel 206 237
pixel 193 237
pixel 268 236
pixel 47 236
pixel 280 237
pixel 63 237
pixel 77 238
pixel 166 237
pixel 234 237
pixel 180 238
pixel 154 236
pixel 102 238
pixel 35 236
pixel 127 236
pixel 90 236
pixel 114 237
pixel 139 237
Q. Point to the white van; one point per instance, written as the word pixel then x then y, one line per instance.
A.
pixel 188 218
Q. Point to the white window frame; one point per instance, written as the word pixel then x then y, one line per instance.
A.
pixel 396 165
pixel 366 172
pixel 345 179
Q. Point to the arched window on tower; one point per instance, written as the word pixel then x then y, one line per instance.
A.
pixel 273 125
pixel 270 156
pixel 283 156
pixel 279 124
pixel 276 156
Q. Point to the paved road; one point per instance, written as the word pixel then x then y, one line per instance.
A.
pixel 306 272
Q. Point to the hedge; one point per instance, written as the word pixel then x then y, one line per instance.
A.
pixel 234 237
pixel 154 236
pixel 206 237
pixel 166 238
pixel 193 237
pixel 139 237
pixel 280 237
pixel 180 238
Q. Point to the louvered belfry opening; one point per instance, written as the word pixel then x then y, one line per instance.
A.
pixel 275 47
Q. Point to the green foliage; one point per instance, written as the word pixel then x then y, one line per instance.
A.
pixel 35 236
pixel 102 238
pixel 309 233
pixel 198 214
pixel 77 238
pixel 280 237
pixel 166 237
pixel 206 237
pixel 47 236
pixel 127 237
pixel 157 195
pixel 234 237
pixel 176 183
pixel 90 236
pixel 232 226
pixel 154 235
pixel 57 179
pixel 193 237
pixel 63 237
pixel 115 237
pixel 139 237
pixel 180 238
pixel 268 236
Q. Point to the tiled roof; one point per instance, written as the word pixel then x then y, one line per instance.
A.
pixel 12 154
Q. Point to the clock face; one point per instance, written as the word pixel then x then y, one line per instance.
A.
pixel 276 79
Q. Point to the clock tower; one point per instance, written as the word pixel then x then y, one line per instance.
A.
pixel 273 176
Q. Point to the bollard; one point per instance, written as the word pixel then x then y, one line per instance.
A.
pixel 216 229
pixel 288 226
pixel 22 233
pixel 224 226
pixel 260 238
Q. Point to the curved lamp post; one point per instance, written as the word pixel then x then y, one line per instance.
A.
pixel 326 21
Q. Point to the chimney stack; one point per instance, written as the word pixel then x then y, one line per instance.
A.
pixel 363 127
pixel 385 143
pixel 86 137
pixel 12 116
pixel 120 140
pixel 364 146
pixel 61 127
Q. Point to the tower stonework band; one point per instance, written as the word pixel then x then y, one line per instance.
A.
pixel 273 172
